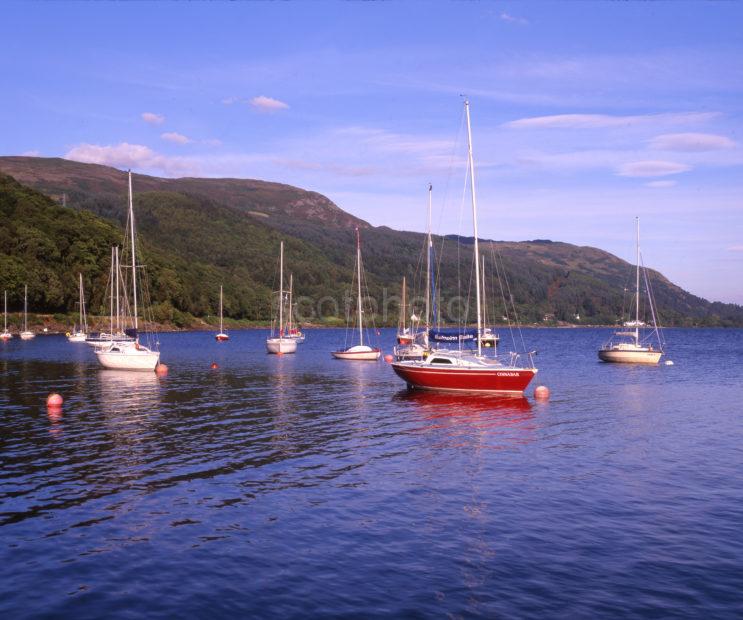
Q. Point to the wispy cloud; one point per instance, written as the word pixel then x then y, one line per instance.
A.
pixel 691 142
pixel 33 153
pixel 735 248
pixel 507 17
pixel 597 121
pixel 137 156
pixel 659 184
pixel 651 168
pixel 268 104
pixel 386 141
pixel 176 138
pixel 152 118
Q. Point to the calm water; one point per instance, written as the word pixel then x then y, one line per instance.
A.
pixel 302 486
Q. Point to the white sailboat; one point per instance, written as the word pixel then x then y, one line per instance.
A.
pixel 221 336
pixel 279 343
pixel 488 338
pixel 360 351
pixel 292 331
pixel 6 335
pixel 130 355
pixel 631 349
pixel 81 333
pixel 26 334
pixel 414 342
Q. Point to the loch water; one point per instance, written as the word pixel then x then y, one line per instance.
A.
pixel 301 486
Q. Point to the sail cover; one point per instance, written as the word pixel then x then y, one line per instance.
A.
pixel 452 335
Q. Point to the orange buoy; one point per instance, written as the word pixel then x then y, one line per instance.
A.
pixel 214 365
pixel 161 369
pixel 388 358
pixel 542 392
pixel 54 400
pixel 279 353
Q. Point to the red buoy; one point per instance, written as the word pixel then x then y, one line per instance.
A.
pixel 388 358
pixel 54 400
pixel 214 365
pixel 542 392
pixel 161 369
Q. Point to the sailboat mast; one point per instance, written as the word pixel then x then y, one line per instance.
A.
pixel 358 277
pixel 113 279
pixel 81 300
pixel 117 272
pixel 25 308
pixel 484 303
pixel 220 309
pixel 291 290
pixel 474 223
pixel 134 258
pixel 281 290
pixel 402 310
pixel 637 287
pixel 6 311
pixel 429 247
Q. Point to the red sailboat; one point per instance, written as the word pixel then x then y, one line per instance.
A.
pixel 460 371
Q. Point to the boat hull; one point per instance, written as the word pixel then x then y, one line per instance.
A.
pixel 490 380
pixel 368 356
pixel 128 358
pixel 27 335
pixel 77 337
pixel 629 357
pixel 6 336
pixel 281 345
pixel 221 337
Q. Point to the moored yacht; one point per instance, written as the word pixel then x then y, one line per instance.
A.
pixel 120 355
pixel 631 348
pixel 361 351
pixel 462 371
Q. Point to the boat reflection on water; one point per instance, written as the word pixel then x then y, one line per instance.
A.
pixel 54 413
pixel 487 409
pixel 123 390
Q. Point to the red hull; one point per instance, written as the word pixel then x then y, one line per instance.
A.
pixel 222 338
pixel 503 380
pixel 404 340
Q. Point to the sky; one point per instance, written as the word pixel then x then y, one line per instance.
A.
pixel 584 114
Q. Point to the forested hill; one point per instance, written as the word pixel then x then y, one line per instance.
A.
pixel 200 233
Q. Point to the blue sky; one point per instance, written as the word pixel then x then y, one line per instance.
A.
pixel 584 114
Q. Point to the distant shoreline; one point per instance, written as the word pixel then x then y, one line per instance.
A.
pixel 55 327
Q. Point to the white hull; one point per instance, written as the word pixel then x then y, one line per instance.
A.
pixel 6 336
pixel 281 345
pixel 79 337
pixel 628 356
pixel 362 353
pixel 221 337
pixel 27 335
pixel 128 357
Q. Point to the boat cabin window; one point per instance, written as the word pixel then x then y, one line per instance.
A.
pixel 440 360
